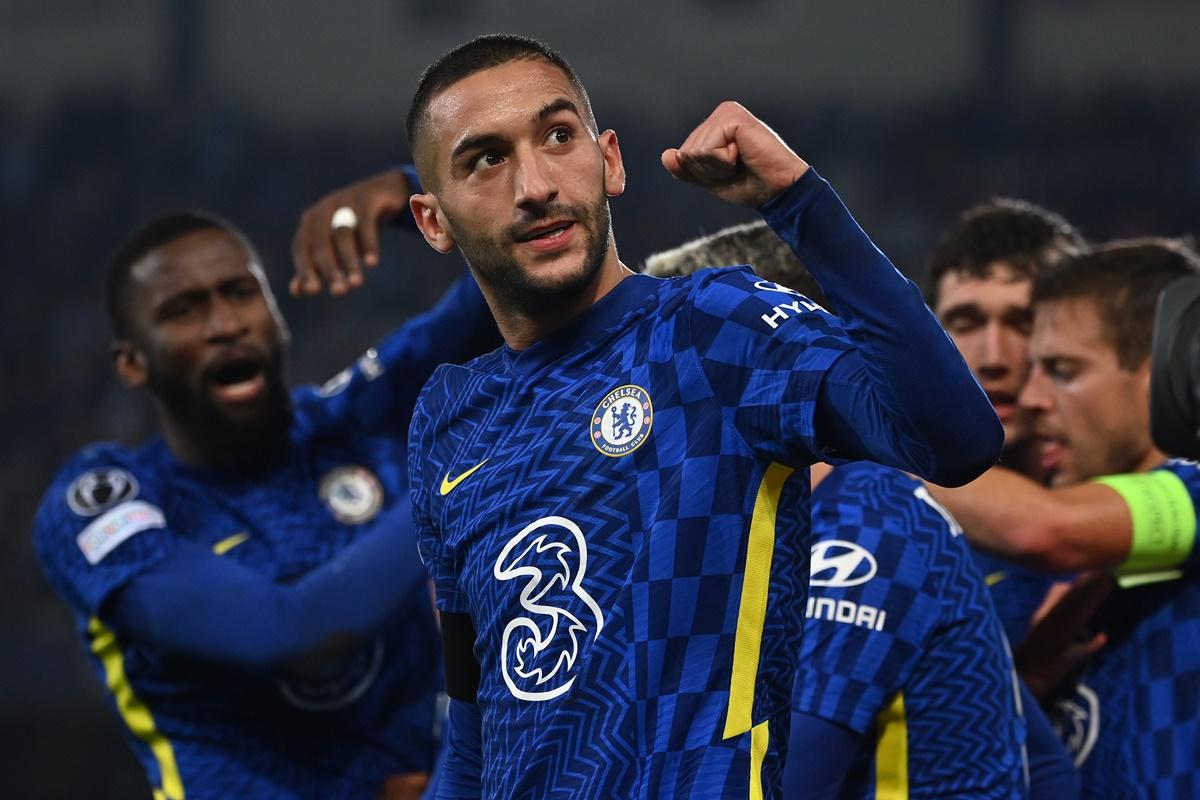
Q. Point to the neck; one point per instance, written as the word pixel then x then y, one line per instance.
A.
pixel 236 452
pixel 1152 459
pixel 523 328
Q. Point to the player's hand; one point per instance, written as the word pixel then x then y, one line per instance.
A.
pixel 1059 640
pixel 735 156
pixel 334 258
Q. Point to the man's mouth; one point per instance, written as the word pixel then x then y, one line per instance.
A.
pixel 237 380
pixel 1004 403
pixel 1051 452
pixel 548 236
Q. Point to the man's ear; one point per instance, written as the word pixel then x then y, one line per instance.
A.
pixel 130 364
pixel 432 223
pixel 614 165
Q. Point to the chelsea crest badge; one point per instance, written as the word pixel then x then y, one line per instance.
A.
pixel 621 423
pixel 352 493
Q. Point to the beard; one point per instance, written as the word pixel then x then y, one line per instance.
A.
pixel 242 442
pixel 520 287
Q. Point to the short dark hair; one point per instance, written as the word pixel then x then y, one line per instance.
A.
pixel 1025 236
pixel 753 243
pixel 156 232
pixel 1124 278
pixel 483 52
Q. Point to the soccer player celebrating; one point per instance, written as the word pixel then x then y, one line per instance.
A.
pixel 1117 503
pixel 248 584
pixel 979 280
pixel 905 684
pixel 599 500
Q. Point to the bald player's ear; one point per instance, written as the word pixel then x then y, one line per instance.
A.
pixel 130 364
pixel 614 165
pixel 432 222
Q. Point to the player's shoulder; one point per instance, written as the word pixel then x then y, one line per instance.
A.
pixel 889 499
pixel 94 481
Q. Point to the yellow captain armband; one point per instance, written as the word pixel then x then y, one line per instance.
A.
pixel 1164 519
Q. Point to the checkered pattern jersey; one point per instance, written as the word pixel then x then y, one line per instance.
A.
pixel 637 611
pixel 1134 718
pixel 913 657
pixel 201 731
pixel 1016 592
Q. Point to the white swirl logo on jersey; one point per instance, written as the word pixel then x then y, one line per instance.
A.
pixel 621 423
pixel 352 493
pixel 538 652
pixel 1076 720
pixel 838 563
pixel 100 489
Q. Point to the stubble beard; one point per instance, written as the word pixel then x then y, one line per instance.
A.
pixel 519 287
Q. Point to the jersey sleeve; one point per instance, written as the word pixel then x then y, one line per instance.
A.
pixel 873 602
pixel 99 525
pixel 764 350
pixel 905 385
pixel 375 395
pixel 440 561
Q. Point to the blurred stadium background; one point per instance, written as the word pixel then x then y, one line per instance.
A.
pixel 110 111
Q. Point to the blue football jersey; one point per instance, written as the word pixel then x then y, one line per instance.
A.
pixel 1132 721
pixel 901 645
pixel 202 730
pixel 603 506
pixel 1016 591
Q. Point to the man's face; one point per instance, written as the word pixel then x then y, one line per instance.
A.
pixel 522 181
pixel 1092 415
pixel 990 320
pixel 209 335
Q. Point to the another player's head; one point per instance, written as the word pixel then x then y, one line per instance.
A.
pixel 753 243
pixel 1089 388
pixel 979 283
pixel 516 173
pixel 196 323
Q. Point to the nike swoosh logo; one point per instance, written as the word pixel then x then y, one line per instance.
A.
pixel 448 485
pixel 994 578
pixel 225 545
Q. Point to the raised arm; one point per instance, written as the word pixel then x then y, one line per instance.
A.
pixel 903 395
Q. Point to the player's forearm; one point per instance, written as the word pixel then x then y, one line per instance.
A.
pixel 203 606
pixel 1074 528
pixel 460 768
pixel 823 752
pixel 1052 776
pixel 916 372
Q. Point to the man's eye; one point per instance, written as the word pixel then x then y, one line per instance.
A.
pixel 559 136
pixel 488 160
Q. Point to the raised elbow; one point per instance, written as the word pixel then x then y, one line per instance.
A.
pixel 972 447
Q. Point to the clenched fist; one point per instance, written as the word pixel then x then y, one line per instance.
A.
pixel 735 156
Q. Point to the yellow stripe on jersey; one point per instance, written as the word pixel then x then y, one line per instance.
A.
pixel 228 543
pixel 752 610
pixel 760 739
pixel 891 752
pixel 135 713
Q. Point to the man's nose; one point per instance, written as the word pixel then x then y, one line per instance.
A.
pixel 224 321
pixel 535 182
pixel 1034 395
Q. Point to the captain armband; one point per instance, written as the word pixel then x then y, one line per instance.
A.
pixel 1164 519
